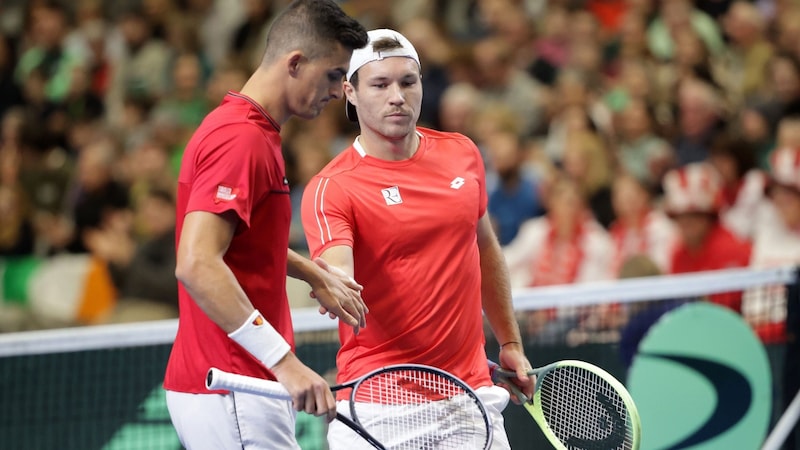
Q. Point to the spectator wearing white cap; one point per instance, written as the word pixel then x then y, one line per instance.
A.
pixel 693 197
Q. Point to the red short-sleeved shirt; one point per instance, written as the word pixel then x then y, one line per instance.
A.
pixel 412 225
pixel 721 250
pixel 233 162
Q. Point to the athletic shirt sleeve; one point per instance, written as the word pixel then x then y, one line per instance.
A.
pixel 480 172
pixel 225 175
pixel 326 217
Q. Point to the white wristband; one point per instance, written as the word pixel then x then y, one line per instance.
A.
pixel 259 338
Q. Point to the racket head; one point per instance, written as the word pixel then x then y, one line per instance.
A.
pixel 414 406
pixel 581 406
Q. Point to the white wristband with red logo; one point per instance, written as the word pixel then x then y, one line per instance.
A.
pixel 259 338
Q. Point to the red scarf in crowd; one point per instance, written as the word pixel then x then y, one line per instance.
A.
pixel 559 260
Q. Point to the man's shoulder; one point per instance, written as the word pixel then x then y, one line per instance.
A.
pixel 341 164
pixel 445 141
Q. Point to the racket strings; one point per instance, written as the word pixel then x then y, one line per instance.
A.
pixel 411 409
pixel 584 411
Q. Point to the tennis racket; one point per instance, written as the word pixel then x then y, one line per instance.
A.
pixel 578 406
pixel 399 407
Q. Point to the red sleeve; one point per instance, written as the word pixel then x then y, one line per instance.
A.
pixel 480 170
pixel 231 171
pixel 326 215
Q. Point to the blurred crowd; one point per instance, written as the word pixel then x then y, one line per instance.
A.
pixel 621 138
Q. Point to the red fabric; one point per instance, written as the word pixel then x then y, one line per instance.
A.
pixel 234 163
pixel 628 241
pixel 608 12
pixel 412 226
pixel 558 261
pixel 721 250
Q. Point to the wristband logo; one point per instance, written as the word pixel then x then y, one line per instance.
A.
pixel 258 321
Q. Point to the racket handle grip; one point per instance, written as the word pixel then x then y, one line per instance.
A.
pixel 217 379
pixel 500 375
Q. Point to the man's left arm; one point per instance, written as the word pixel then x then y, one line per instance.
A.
pixel 497 305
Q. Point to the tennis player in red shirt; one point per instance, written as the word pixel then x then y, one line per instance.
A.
pixel 404 211
pixel 233 215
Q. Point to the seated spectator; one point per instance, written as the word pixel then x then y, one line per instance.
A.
pixel 457 107
pixel 700 118
pixel 47 54
pixel 639 228
pixel 587 161
pixel 142 268
pixel 96 197
pixel 514 196
pixel 742 184
pixel 776 243
pixel 641 151
pixel 675 17
pixel 564 246
pixel 693 197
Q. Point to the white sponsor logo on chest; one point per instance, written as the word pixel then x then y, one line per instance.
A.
pixel 457 183
pixel 392 195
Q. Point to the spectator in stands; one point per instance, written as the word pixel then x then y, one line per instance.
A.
pixel 564 246
pixel 693 197
pixel 700 118
pixel 186 100
pixel 756 124
pixel 141 69
pixel 457 108
pixel 142 266
pixel 249 34
pixel 46 54
pixel 514 197
pixel 96 200
pixel 743 184
pixel 747 53
pixel 641 152
pixel 782 91
pixel 500 81
pixel 639 228
pixel 675 18
pixel 776 242
pixel 588 163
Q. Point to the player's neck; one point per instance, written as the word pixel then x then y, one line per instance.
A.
pixel 265 89
pixel 390 149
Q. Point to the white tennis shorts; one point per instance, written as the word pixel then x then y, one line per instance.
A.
pixel 495 399
pixel 232 421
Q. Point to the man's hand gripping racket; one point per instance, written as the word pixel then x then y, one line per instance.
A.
pixel 397 407
pixel 578 406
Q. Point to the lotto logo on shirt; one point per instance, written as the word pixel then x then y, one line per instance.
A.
pixel 225 193
pixel 392 195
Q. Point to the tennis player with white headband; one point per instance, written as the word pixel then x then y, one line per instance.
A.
pixel 404 211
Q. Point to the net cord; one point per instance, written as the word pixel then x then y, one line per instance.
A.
pixel 308 319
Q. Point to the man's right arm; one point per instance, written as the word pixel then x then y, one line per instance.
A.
pixel 200 267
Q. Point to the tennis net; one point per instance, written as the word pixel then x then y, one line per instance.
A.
pixel 100 387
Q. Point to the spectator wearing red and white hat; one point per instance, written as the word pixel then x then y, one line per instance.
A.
pixel 693 198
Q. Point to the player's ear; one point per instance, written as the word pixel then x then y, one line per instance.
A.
pixel 349 91
pixel 294 61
